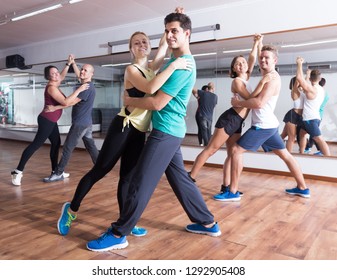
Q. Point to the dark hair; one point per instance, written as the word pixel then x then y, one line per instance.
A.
pixel 205 87
pixel 232 73
pixel 185 21
pixel 315 75
pixel 322 82
pixel 47 70
pixel 270 48
pixel 292 82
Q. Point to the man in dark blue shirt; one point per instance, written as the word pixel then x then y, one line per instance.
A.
pixel 207 101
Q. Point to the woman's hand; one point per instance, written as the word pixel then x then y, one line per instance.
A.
pixel 183 64
pixel 83 87
pixel 269 77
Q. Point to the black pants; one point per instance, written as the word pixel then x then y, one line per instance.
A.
pixel 118 144
pixel 46 130
pixel 161 154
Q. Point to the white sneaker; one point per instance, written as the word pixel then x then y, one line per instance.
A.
pixel 16 178
pixel 66 175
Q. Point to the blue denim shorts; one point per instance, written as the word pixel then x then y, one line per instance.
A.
pixel 255 137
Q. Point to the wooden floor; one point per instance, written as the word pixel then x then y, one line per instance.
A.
pixel 266 224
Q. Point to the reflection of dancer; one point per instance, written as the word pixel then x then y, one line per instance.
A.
pixel 161 152
pixel 229 125
pixel 314 96
pixel 264 130
pixel 293 117
pixel 3 107
pixel 207 101
pixel 311 141
pixel 126 135
pixel 197 115
pixel 47 121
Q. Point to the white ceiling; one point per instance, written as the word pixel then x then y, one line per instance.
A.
pixel 87 16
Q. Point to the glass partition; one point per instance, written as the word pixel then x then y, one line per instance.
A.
pixel 213 58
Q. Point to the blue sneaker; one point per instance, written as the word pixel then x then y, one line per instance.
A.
pixel 107 242
pixel 200 229
pixel 227 196
pixel 65 220
pixel 307 151
pixel 227 189
pixel 319 153
pixel 299 192
pixel 138 231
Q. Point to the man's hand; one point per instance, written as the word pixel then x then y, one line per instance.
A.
pixel 179 10
pixel 299 60
pixel 126 98
pixel 235 101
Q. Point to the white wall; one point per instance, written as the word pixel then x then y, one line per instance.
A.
pixel 268 161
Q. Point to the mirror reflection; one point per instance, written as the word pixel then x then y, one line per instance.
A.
pixel 22 90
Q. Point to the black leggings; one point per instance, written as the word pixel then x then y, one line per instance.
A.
pixel 118 144
pixel 46 130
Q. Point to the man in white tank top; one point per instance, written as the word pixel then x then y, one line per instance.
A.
pixel 264 130
pixel 314 96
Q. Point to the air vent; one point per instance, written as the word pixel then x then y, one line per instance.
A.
pixel 221 71
pixel 320 66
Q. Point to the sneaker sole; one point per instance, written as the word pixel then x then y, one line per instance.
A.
pixel 114 247
pixel 214 234
pixel 299 194
pixel 138 235
pixel 51 181
pixel 58 221
pixel 230 200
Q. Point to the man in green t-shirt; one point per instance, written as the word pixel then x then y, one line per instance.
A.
pixel 162 153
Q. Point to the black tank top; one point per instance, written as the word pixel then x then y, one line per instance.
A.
pixel 133 92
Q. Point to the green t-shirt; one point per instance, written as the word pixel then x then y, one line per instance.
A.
pixel 171 119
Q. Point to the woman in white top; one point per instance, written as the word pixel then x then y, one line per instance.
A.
pixel 293 117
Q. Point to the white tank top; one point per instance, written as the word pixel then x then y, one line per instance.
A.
pixel 299 102
pixel 265 117
pixel 311 107
pixel 248 87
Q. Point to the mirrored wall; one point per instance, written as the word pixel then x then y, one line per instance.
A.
pixel 25 91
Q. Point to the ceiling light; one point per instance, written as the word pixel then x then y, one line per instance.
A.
pixel 74 1
pixel 309 44
pixel 37 12
pixel 20 74
pixel 115 65
pixel 2 22
pixel 236 51
pixel 204 54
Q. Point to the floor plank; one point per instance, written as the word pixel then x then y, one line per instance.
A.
pixel 266 224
